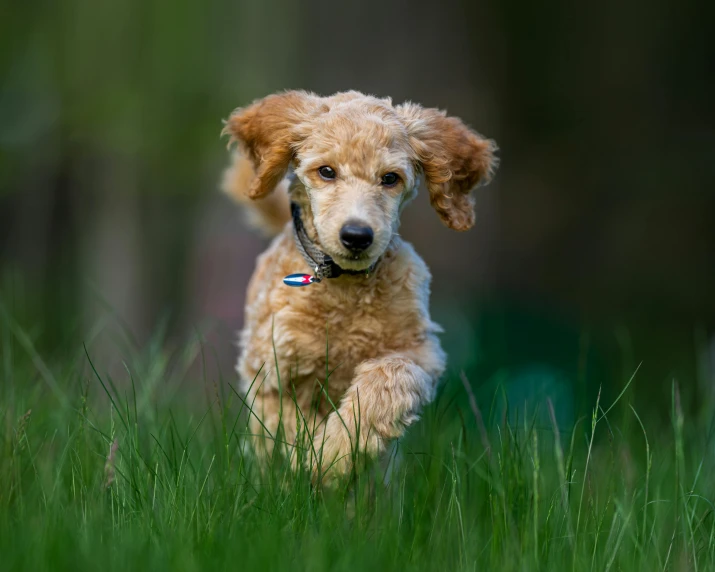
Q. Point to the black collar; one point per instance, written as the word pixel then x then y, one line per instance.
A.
pixel 323 265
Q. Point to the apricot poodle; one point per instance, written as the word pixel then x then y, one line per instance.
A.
pixel 336 369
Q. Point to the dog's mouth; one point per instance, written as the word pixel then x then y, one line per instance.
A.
pixel 357 261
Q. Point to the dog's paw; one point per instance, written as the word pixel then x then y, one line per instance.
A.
pixel 339 449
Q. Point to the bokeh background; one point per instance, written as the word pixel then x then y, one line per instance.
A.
pixel 594 249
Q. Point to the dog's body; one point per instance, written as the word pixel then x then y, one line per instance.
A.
pixel 358 354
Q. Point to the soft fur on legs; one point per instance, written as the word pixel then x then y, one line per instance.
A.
pixel 386 396
pixel 363 343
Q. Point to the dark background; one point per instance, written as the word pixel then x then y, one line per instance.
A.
pixel 594 248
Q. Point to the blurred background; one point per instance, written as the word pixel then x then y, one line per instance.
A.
pixel 594 248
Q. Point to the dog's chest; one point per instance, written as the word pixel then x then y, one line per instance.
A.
pixel 333 327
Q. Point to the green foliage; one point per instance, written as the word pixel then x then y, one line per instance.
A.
pixel 101 473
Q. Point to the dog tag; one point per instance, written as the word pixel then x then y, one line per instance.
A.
pixel 298 280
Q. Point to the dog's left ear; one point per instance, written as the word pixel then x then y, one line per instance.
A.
pixel 267 131
pixel 453 158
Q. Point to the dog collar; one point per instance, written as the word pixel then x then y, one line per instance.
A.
pixel 323 265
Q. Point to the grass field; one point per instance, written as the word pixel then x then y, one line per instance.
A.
pixel 102 474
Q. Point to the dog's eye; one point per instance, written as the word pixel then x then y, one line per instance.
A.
pixel 327 173
pixel 390 179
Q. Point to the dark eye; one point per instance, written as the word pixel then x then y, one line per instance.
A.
pixel 328 173
pixel 390 179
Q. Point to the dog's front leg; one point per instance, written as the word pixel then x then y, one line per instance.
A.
pixel 385 397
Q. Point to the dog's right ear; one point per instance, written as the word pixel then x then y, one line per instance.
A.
pixel 267 130
pixel 453 158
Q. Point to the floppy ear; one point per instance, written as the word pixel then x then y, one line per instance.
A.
pixel 267 130
pixel 453 158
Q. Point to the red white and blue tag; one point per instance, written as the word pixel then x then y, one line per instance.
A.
pixel 298 280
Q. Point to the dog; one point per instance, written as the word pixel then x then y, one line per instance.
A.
pixel 338 367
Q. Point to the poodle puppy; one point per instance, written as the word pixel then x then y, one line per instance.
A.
pixel 338 368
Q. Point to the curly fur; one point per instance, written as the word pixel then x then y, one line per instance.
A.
pixel 370 336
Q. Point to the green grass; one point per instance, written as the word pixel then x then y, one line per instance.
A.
pixel 129 474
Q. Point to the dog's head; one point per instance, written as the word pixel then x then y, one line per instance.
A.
pixel 359 160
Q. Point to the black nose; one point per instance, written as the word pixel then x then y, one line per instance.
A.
pixel 356 236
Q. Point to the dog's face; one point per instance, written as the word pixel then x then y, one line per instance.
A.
pixel 359 160
pixel 358 169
